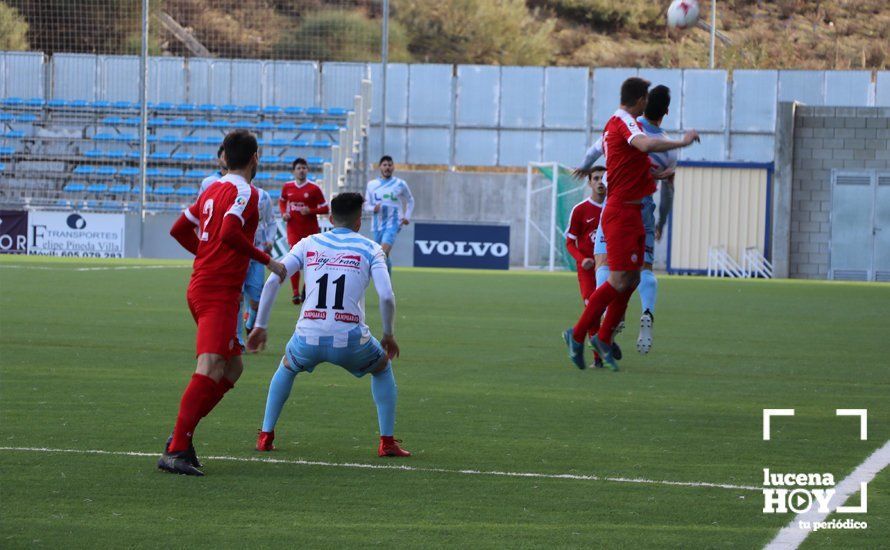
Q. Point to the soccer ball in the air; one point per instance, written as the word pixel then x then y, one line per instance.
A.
pixel 682 14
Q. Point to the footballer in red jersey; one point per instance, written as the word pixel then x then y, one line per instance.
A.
pixel 219 230
pixel 301 202
pixel 628 166
pixel 584 220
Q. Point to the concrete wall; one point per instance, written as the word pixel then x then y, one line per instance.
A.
pixel 826 138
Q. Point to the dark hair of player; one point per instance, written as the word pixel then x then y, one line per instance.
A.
pixel 659 101
pixel 240 147
pixel 633 89
pixel 346 208
pixel 383 159
pixel 219 151
pixel 298 160
pixel 597 168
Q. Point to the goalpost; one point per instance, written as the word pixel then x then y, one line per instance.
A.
pixel 550 194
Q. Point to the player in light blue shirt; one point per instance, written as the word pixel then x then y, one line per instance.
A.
pixel 214 177
pixel 390 201
pixel 264 238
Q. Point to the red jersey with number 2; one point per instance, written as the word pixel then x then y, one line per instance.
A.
pixel 628 168
pixel 219 269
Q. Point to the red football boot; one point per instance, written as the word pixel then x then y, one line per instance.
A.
pixel 264 440
pixel 390 447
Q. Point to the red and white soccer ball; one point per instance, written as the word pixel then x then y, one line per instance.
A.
pixel 682 14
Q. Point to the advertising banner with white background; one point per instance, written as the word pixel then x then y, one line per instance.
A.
pixel 76 234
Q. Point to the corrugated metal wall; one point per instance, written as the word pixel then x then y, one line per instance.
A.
pixel 466 115
pixel 717 206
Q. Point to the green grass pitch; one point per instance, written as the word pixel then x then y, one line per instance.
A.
pixel 96 359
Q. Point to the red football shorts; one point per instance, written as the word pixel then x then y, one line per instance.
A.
pixel 587 282
pixel 217 320
pixel 625 236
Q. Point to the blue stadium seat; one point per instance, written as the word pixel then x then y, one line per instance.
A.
pixel 124 105
pixel 13 101
pixel 163 190
pixel 205 157
pixel 111 120
pixel 265 125
pixel 308 127
pixel 100 104
pixel 314 111
pixel 164 106
pixel 56 103
pixel 321 143
pixel 269 159
pixel 128 171
pixel 171 172
pixel 113 206
pixel 64 204
pixel 152 172
pixel 94 154
pixel 293 111
pixel 251 109
pixel 177 123
pixel 136 155
pixel 74 188
pixel 115 155
pixel 275 194
pixel 211 140
pixel 157 121
pixel 131 121
pixel 228 108
pixel 153 138
pixel 119 188
pixel 187 107
pixel 328 128
pixel 78 104
pixel 283 176
pixel 272 110
pixel 287 127
pixel 85 170
pixel 207 108
pixel 126 137
pixel 14 134
pixel 97 188
pixel 263 176
pixel 196 173
pixel 105 136
pixel 6 117
pixel 26 117
pixel 105 171
pixel 192 140
pixel 7 151
pixel 35 102
pixel 299 143
pixel 169 139
pixel 199 123
pixel 316 160
pixel 279 142
pixel 91 205
pixel 159 155
pixel 187 191
pixel 182 157
pixel 338 111
pixel 2 167
pixel 220 124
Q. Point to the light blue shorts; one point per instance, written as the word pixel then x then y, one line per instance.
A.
pixel 387 235
pixel 648 213
pixel 357 356
pixel 253 284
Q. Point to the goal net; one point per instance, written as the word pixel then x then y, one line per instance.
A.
pixel 551 193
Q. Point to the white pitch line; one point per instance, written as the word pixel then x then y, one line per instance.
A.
pixel 404 468
pixel 104 268
pixel 791 536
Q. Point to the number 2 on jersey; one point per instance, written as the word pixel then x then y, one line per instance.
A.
pixel 339 283
pixel 208 210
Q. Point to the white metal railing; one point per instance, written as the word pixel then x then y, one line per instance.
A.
pixel 722 264
pixel 755 264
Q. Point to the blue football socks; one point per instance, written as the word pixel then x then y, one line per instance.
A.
pixel 279 391
pixel 648 290
pixel 383 389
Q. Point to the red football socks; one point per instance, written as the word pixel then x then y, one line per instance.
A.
pixel 222 387
pixel 200 392
pixel 596 305
pixel 614 315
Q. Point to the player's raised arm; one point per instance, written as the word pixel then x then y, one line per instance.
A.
pixel 590 157
pixel 649 144
pixel 292 263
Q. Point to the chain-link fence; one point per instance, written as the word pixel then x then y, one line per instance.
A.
pixel 97 114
